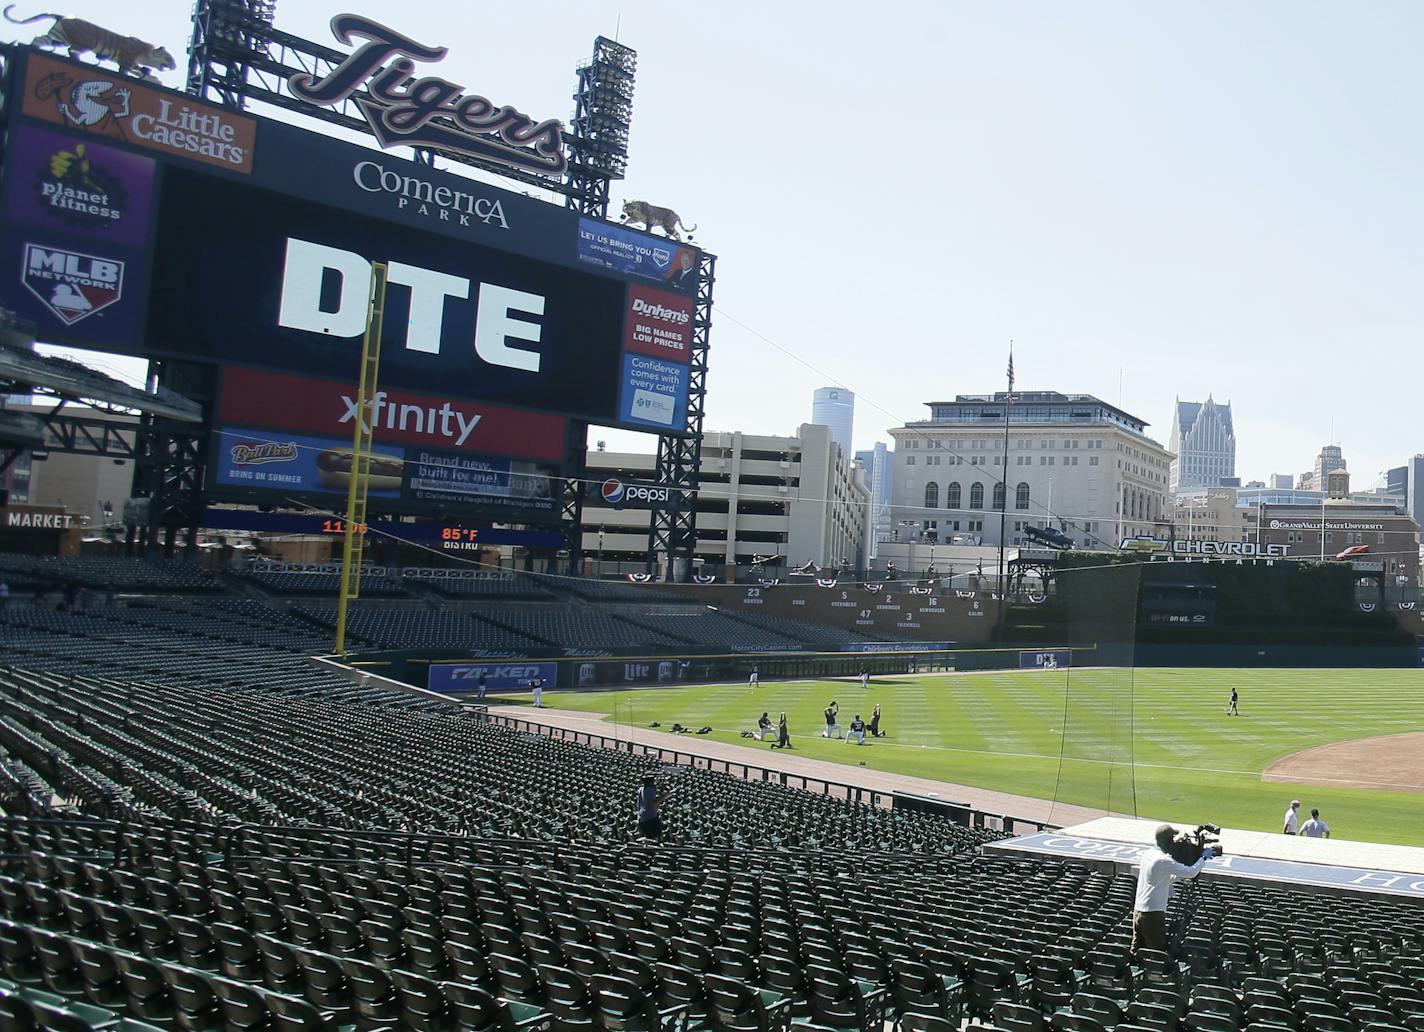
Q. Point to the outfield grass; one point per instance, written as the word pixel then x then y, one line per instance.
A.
pixel 1156 742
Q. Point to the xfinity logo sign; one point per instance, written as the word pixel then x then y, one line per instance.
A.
pixel 496 322
pixel 446 421
pixel 403 110
pixel 621 494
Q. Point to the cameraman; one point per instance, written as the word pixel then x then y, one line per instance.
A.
pixel 1156 872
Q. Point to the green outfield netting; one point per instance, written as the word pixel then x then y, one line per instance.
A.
pixel 1095 770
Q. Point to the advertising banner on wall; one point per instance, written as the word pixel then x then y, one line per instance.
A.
pixel 1047 659
pixel 624 493
pixel 74 290
pixel 118 108
pixel 641 255
pixel 297 464
pixel 77 219
pixel 63 182
pixel 250 397
pixel 293 434
pixel 463 678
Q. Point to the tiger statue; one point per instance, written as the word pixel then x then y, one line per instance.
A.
pixel 129 53
pixel 651 215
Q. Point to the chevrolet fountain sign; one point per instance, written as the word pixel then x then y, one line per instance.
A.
pixel 1204 549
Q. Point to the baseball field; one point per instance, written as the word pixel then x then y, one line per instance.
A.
pixel 1154 742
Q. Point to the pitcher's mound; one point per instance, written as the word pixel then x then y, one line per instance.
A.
pixel 1391 762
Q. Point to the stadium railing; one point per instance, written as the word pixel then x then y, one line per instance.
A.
pixel 966 815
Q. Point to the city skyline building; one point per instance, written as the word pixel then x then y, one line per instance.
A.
pixel 878 464
pixel 1075 462
pixel 834 407
pixel 1414 490
pixel 1203 439
pixel 1329 458
pixel 797 497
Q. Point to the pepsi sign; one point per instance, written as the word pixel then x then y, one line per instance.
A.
pixel 618 493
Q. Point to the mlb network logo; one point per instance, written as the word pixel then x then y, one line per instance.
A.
pixel 71 285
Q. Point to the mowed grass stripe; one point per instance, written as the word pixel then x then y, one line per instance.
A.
pixel 1003 730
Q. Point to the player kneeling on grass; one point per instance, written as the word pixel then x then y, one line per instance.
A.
pixel 833 724
pixel 857 731
pixel 764 728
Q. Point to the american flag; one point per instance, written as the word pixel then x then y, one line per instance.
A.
pixel 1011 372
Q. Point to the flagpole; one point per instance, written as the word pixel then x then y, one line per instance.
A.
pixel 1004 472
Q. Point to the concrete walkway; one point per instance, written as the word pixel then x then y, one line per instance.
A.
pixel 1025 807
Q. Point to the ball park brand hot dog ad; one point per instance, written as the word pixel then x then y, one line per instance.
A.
pixel 291 435
pixel 300 464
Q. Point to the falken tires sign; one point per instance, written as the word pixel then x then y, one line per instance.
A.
pixel 511 675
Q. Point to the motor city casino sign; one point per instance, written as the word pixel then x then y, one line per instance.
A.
pixel 1154 547
pixel 429 111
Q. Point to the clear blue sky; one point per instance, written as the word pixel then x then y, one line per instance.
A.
pixel 1181 199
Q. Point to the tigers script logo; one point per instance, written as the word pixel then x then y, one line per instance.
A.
pixel 427 112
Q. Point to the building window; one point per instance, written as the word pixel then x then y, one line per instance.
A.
pixel 999 496
pixel 909 460
pixel 931 495
pixel 1092 460
pixel 976 496
pixel 951 497
pixel 1021 496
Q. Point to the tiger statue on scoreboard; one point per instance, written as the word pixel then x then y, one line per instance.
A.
pixel 131 54
pixel 651 215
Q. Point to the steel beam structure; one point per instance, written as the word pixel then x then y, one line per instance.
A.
pixel 673 530
pixel 238 56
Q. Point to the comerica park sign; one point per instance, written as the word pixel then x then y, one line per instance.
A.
pixel 1204 549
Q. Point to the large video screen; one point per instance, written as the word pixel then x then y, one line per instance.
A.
pixel 140 220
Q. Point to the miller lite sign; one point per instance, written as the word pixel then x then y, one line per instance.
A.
pixel 403 110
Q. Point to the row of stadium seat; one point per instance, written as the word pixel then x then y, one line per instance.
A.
pixel 1022 944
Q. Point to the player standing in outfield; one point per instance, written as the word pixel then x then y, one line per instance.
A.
pixel 482 684
pixel 1231 710
pixel 754 680
pixel 864 678
pixel 1292 817
pixel 537 687
pixel 1315 827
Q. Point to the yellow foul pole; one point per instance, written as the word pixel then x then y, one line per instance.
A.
pixel 355 531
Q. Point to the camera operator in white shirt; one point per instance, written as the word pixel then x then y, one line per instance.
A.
pixel 1156 871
